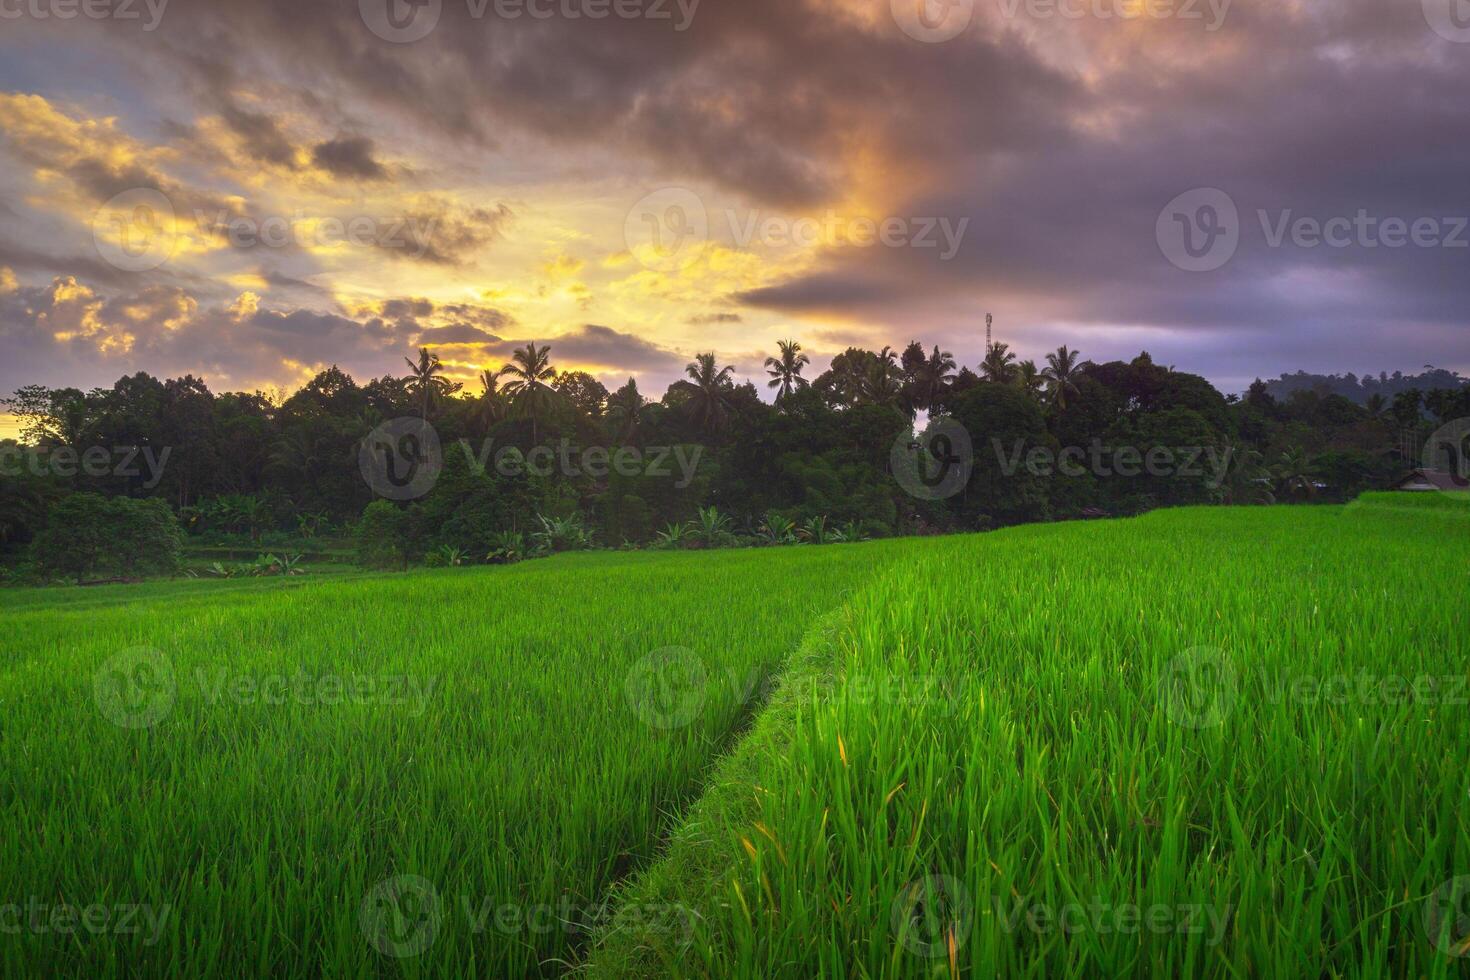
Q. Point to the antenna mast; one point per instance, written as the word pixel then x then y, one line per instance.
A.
pixel 988 319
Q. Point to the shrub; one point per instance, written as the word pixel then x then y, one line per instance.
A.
pixel 87 536
pixel 387 536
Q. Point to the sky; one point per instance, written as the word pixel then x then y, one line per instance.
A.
pixel 253 190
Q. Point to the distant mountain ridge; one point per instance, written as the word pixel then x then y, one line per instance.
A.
pixel 1360 389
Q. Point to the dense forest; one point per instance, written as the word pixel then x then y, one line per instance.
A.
pixel 122 481
pixel 1383 385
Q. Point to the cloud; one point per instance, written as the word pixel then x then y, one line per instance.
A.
pixel 349 157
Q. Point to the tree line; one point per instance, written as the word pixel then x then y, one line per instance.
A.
pixel 246 468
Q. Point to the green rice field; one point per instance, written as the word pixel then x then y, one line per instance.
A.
pixel 1203 742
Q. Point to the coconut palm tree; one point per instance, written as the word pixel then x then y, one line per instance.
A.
pixel 1376 405
pixel 882 379
pixel 624 411
pixel 709 389
pixel 492 406
pixel 1247 479
pixel 935 376
pixel 1061 375
pixel 1294 470
pixel 785 371
pixel 530 391
pixel 427 381
pixel 1028 377
pixel 999 365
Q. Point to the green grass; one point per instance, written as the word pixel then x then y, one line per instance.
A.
pixel 515 775
pixel 1062 752
pixel 891 759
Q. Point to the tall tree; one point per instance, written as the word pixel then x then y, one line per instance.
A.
pixel 624 411
pixel 1028 377
pixel 999 365
pixel 492 405
pixel 531 390
pixel 785 371
pixel 1061 375
pixel 426 380
pixel 709 387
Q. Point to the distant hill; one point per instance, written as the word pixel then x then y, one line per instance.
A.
pixel 1361 389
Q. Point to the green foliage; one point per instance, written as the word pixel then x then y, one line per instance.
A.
pixel 90 536
pixel 387 536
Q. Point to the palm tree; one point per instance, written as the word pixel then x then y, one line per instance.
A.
pixel 1061 375
pixel 530 392
pixel 999 364
pixel 709 389
pixel 1028 378
pixel 882 380
pixel 624 411
pixel 427 381
pixel 492 406
pixel 1247 480
pixel 1376 405
pixel 1294 470
pixel 935 377
pixel 785 372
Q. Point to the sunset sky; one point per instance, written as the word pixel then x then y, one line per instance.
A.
pixel 254 190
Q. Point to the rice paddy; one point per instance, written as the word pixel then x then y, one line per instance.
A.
pixel 1222 742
